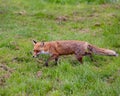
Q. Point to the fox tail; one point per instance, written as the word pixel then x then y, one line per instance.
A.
pixel 101 51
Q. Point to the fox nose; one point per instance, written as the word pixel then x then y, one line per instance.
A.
pixel 34 56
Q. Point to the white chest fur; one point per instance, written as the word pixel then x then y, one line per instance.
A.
pixel 44 52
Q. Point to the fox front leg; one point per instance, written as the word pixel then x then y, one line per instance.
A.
pixel 56 60
pixel 79 58
pixel 51 58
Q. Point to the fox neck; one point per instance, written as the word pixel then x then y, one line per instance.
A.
pixel 44 52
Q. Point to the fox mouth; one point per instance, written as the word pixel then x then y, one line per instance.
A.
pixel 35 56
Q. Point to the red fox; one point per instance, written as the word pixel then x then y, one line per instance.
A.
pixel 67 47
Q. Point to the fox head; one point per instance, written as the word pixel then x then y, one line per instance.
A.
pixel 39 48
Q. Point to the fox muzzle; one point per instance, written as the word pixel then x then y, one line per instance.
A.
pixel 34 56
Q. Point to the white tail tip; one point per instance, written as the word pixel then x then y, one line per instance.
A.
pixel 117 55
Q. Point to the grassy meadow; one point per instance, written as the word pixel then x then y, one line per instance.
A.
pixel 96 22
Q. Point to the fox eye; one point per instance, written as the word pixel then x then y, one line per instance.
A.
pixel 36 50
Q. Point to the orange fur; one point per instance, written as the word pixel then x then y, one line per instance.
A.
pixel 67 47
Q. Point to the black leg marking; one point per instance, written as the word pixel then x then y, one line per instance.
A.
pixel 56 61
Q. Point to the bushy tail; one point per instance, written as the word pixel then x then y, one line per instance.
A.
pixel 101 51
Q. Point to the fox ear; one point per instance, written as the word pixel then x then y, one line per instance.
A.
pixel 34 42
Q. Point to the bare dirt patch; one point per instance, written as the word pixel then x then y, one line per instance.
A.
pixel 106 6
pixel 60 19
pixel 39 74
pixel 6 75
pixel 23 12
pixel 6 68
pixel 97 24
pixel 84 30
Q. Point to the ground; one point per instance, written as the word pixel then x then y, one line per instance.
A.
pixel 22 21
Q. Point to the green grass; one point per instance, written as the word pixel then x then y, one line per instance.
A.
pixel 22 21
pixel 81 1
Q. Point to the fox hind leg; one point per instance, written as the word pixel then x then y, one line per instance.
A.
pixel 79 58
pixel 91 57
pixel 89 54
